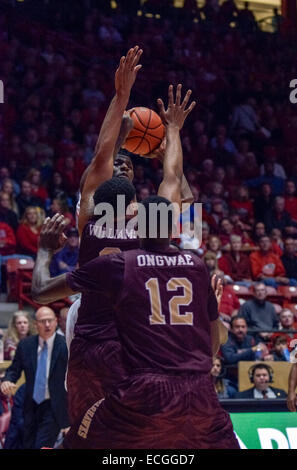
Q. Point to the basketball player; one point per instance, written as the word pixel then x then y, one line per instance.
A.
pixel 95 351
pixel 165 311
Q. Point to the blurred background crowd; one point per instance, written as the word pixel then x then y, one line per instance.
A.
pixel 239 147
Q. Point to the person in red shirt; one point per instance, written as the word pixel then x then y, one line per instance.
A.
pixel 28 231
pixel 7 240
pixel 242 203
pixel 229 304
pixel 266 266
pixel 34 176
pixel 235 263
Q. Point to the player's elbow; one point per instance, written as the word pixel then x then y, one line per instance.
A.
pixel 39 296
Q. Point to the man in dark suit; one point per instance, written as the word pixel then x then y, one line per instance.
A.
pixel 261 375
pixel 43 358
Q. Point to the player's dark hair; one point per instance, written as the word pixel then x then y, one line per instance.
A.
pixel 109 191
pixel 158 200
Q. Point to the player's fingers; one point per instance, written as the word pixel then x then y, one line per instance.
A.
pixel 57 224
pixel 186 99
pixel 129 58
pixel 137 57
pixel 137 68
pixel 190 108
pixel 121 64
pixel 178 94
pixel 170 96
pixel 161 106
pixel 52 221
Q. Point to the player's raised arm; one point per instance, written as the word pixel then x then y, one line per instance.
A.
pixel 44 288
pixel 292 399
pixel 173 119
pixel 101 166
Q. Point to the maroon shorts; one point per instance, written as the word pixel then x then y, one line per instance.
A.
pixel 154 411
pixel 93 371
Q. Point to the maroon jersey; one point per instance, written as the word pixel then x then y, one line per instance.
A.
pixel 95 352
pixel 164 304
pixel 95 319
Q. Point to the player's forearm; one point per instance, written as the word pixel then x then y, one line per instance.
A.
pixel 292 379
pixel 44 288
pixel 186 193
pixel 173 158
pixel 110 128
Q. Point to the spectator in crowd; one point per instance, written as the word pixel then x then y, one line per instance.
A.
pixel 14 438
pixel 240 345
pixel 276 183
pixel 289 259
pixel 279 347
pixel 258 232
pixel 7 240
pixel 263 202
pixel 61 206
pixel 29 229
pixel 277 243
pixel 287 321
pixel 266 266
pixel 45 407
pixel 223 386
pixel 211 262
pixel 214 245
pixel 259 313
pixel 243 204
pixel 26 198
pixel 8 188
pixel 66 259
pixel 62 319
pixel 229 304
pixel 7 215
pixel 271 156
pixel 20 326
pixel 291 199
pixel 261 375
pixel 57 187
pixel 244 121
pixel 280 218
pixel 38 190
pixel 236 264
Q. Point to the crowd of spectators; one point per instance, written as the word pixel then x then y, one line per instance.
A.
pixel 239 144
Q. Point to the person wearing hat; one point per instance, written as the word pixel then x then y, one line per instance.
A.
pixel 261 375
pixel 66 260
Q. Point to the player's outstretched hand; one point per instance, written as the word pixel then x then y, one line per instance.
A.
pixel 126 72
pixel 52 237
pixel 217 285
pixel 176 112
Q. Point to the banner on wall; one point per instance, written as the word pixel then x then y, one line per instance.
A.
pixel 265 430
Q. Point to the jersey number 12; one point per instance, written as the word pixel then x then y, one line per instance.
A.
pixel 176 318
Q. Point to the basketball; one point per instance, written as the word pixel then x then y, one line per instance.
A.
pixel 147 133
